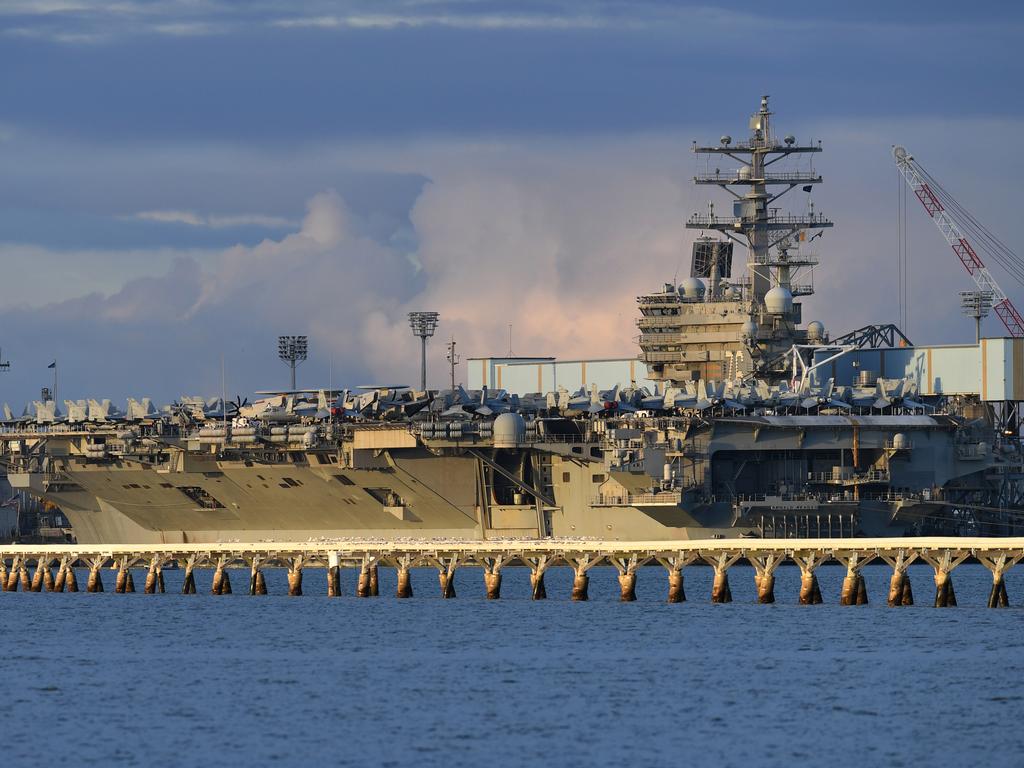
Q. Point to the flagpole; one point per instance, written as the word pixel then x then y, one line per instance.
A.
pixel 55 400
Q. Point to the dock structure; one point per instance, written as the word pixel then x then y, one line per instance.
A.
pixel 30 568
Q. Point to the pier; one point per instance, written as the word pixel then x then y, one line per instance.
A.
pixel 57 568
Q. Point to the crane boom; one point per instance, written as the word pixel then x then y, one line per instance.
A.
pixel 954 235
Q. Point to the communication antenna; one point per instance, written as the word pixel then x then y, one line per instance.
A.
pixel 293 350
pixel 453 359
pixel 423 325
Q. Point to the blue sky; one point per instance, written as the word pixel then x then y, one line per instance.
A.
pixel 184 180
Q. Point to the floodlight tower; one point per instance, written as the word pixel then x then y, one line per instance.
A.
pixel 423 325
pixel 292 350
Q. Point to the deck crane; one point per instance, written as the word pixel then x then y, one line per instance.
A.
pixel 952 221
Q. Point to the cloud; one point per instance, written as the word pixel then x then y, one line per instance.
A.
pixel 555 237
pixel 215 221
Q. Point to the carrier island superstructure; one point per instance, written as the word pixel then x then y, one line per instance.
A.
pixel 751 424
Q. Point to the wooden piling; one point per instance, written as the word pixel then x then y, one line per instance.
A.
pixel 404 588
pixel 26 583
pixel 95 582
pixel 537 589
pixel 217 586
pixel 62 576
pixel 295 581
pixel 188 587
pixel 333 581
pixel 150 586
pixel 121 580
pixel 941 589
pixel 260 584
pixel 848 595
pixel 908 592
pixel 12 576
pixel 492 583
pixel 952 592
pixel 447 581
pixel 627 587
pixel 48 582
pixel 580 587
pixel 810 592
pixel 374 584
pixel 766 589
pixel 720 591
pixel 363 584
pixel 676 592
pixel 895 597
pixel 37 577
pixel 862 590
pixel 225 586
pixel 72 579
pixel 3 575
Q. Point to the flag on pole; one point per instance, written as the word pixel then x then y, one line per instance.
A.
pixel 52 365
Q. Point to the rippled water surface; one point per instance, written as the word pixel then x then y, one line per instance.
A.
pixel 184 680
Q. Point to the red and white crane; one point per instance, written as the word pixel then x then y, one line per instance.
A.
pixel 955 223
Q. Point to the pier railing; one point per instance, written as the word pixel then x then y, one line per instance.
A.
pixel 943 554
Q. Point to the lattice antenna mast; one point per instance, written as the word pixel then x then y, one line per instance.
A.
pixel 757 225
pixel 917 178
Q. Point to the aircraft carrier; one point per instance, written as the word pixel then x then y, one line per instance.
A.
pixel 757 424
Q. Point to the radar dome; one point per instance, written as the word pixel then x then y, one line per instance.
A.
pixel 509 430
pixel 749 330
pixel 726 140
pixel 691 288
pixel 778 301
pixel 790 139
pixel 815 331
pixel 745 172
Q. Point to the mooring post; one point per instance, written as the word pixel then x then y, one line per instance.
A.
pixel 944 562
pixel 257 582
pixel 404 588
pixel 998 564
pixel 537 566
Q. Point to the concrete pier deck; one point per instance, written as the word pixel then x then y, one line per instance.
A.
pixel 943 554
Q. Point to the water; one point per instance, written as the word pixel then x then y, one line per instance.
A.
pixel 239 680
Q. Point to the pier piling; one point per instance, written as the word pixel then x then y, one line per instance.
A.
pixel 998 563
pixel 374 582
pixel 765 564
pixel 404 588
pixel 121 580
pixel 188 586
pixel 899 585
pixel 333 576
pixel 808 561
pixel 581 581
pixel 295 576
pixel 492 565
pixel 48 582
pixel 95 581
pixel 37 577
pixel 446 574
pixel 944 562
pixel 363 584
pixel 627 577
pixel 721 562
pixel 537 566
pixel 23 579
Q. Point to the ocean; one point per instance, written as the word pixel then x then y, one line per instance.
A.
pixel 169 680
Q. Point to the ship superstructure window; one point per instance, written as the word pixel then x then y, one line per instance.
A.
pixel 200 497
pixel 344 480
pixel 288 482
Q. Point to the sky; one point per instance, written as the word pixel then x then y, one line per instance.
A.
pixel 186 179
